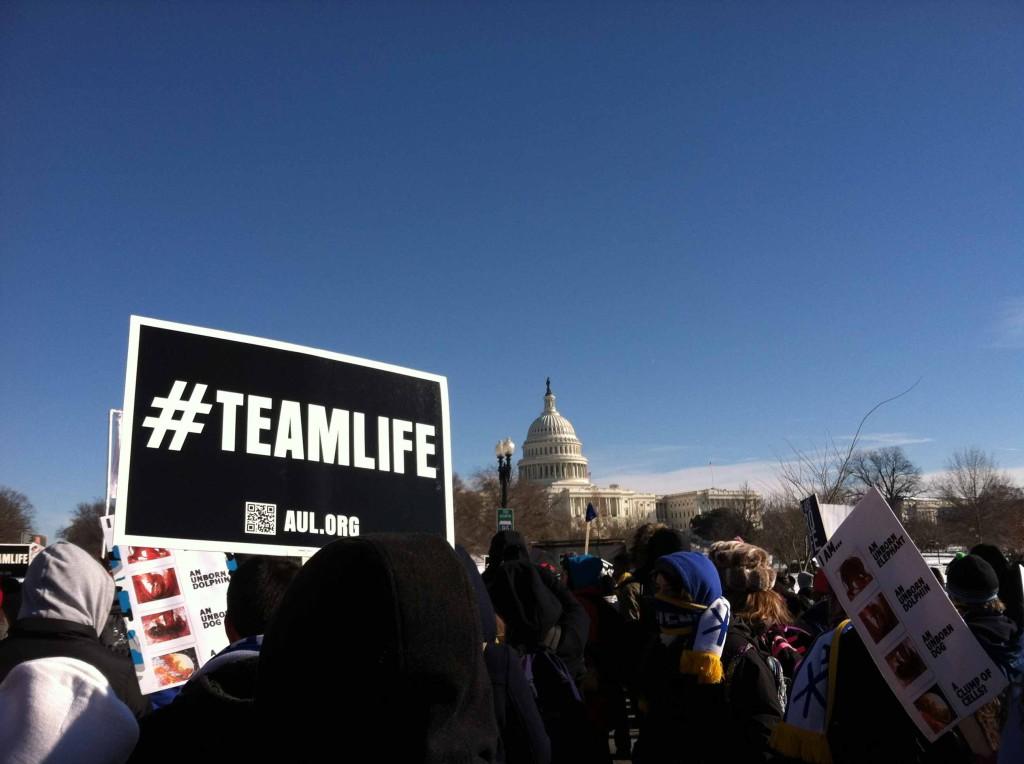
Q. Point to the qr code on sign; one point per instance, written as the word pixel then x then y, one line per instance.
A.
pixel 261 518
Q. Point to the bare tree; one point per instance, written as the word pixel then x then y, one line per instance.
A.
pixel 979 495
pixel 476 503
pixel 783 531
pixel 16 515
pixel 472 529
pixel 826 472
pixel 84 528
pixel 890 471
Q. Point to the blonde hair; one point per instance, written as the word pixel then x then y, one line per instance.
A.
pixel 766 608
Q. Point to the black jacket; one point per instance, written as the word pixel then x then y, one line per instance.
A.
pixel 694 723
pixel 376 654
pixel 217 709
pixel 868 722
pixel 33 638
pixel 523 737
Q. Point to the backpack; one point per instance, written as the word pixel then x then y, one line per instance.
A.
pixel 559 702
pixel 552 684
pixel 773 665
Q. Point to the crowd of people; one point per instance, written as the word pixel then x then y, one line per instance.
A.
pixel 395 647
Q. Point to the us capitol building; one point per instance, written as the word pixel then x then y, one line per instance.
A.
pixel 553 458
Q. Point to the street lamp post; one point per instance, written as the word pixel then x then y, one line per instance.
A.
pixel 504 450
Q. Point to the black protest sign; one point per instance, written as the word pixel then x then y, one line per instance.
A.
pixel 815 527
pixel 14 559
pixel 234 443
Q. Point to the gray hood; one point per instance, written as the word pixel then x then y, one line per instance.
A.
pixel 64 583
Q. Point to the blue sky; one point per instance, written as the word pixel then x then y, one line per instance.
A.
pixel 720 228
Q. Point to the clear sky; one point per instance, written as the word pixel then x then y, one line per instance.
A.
pixel 719 227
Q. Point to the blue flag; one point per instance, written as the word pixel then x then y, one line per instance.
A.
pixel 591 512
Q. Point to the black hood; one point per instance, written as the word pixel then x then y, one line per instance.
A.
pixel 507 545
pixel 997 634
pixel 375 654
pixel 523 601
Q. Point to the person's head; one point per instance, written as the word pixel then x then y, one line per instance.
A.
pixel 994 557
pixel 804 581
pixel 583 571
pixel 689 607
pixel 688 576
pixel 506 546
pixel 748 577
pixel 638 547
pixel 662 541
pixel 378 632
pixel 256 589
pixel 64 582
pixel 972 584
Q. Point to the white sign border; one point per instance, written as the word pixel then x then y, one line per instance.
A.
pixel 122 538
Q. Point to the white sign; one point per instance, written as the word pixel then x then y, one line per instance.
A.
pixel 832 516
pixel 919 642
pixel 174 604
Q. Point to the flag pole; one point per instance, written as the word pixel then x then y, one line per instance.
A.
pixel 586 543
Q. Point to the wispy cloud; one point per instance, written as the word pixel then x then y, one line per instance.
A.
pixel 760 475
pixel 637 458
pixel 1008 330
pixel 886 439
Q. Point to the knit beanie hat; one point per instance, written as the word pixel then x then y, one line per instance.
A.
pixel 63 709
pixel 584 570
pixel 703 622
pixel 971 580
pixel 743 567
pixel 805 580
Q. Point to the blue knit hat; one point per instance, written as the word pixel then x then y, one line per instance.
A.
pixel 584 570
pixel 695 572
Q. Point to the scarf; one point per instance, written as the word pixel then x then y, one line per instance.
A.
pixel 803 734
pixel 703 629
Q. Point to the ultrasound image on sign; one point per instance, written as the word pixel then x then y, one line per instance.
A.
pixel 236 443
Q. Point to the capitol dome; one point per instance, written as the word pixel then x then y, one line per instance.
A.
pixel 552 452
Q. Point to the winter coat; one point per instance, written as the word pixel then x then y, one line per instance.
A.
pixel 531 600
pixel 627 594
pixel 66 598
pixel 999 636
pixel 523 739
pixel 217 705
pixel 386 627
pixel 702 723
pixel 868 723
pixel 61 709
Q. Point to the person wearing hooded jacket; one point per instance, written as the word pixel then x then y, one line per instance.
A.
pixel 523 739
pixel 217 702
pixel 708 698
pixel 509 551
pixel 374 654
pixel 65 601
